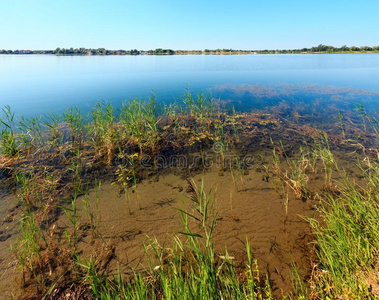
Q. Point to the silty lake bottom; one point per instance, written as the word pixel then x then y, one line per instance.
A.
pixel 280 162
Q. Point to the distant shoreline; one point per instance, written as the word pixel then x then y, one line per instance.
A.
pixel 190 53
pixel 320 49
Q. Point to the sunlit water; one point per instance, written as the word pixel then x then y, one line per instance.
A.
pixel 42 84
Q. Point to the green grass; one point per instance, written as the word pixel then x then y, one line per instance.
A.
pixel 347 239
pixel 139 123
pixel 102 130
pixel 75 120
pixel 8 145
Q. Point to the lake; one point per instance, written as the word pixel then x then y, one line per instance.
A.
pixel 42 84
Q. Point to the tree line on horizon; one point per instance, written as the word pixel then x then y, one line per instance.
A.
pixel 159 51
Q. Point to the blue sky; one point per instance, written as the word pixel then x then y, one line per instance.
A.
pixel 190 24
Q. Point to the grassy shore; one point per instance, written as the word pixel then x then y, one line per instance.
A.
pixel 52 165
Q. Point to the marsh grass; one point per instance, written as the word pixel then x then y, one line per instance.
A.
pixel 55 167
pixel 126 176
pixel 102 130
pixel 92 212
pixel 299 288
pixel 30 133
pixel 348 238
pixel 323 153
pixel 36 249
pixel 237 164
pixel 139 123
pixel 8 144
pixel 199 107
pixel 76 122
pixel 52 124
pixel 293 175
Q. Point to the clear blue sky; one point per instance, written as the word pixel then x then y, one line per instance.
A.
pixel 190 24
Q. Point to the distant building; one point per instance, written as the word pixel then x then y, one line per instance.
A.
pixel 23 52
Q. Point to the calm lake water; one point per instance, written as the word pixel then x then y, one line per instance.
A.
pixel 41 84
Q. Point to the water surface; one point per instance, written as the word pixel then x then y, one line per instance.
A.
pixel 40 84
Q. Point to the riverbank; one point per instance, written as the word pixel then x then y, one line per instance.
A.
pixel 191 199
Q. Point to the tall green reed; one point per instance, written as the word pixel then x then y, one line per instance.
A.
pixel 8 146
pixel 75 120
pixel 102 129
pixel 139 123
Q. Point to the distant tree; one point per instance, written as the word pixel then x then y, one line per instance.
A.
pixel 376 48
pixel 100 51
pixel 354 48
pixel 366 48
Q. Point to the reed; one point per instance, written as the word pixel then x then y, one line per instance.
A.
pixel 9 146
pixel 221 143
pixel 139 123
pixel 235 124
pixel 300 290
pixel 52 123
pixel 322 152
pixel 126 175
pixel 75 120
pixel 292 176
pixel 102 130
pixel 30 133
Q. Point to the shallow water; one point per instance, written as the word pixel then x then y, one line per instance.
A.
pixel 40 84
pixel 250 204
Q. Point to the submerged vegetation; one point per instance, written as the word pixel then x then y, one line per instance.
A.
pixel 52 166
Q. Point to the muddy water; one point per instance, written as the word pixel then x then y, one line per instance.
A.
pixel 249 209
pixel 249 206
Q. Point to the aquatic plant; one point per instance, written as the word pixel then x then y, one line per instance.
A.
pixel 238 164
pixel 139 123
pixel 30 133
pixel 36 249
pixel 300 290
pixel 52 123
pixel 220 142
pixel 75 121
pixel 102 129
pixel 293 175
pixel 92 213
pixel 235 124
pixel 8 146
pixel 322 152
pixel 126 174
